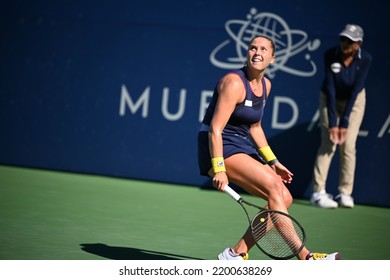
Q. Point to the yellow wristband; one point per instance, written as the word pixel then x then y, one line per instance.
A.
pixel 218 164
pixel 267 154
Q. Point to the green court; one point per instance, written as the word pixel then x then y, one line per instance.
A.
pixel 50 215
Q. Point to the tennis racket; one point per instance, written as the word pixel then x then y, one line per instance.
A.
pixel 276 234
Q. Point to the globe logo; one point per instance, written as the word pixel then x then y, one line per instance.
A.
pixel 288 42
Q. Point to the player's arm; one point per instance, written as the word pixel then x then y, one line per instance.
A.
pixel 258 136
pixel 231 91
pixel 260 140
pixel 256 131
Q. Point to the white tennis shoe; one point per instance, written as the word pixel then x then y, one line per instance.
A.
pixel 229 254
pixel 345 201
pixel 323 200
pixel 323 257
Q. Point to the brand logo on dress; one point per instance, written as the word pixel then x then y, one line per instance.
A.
pixel 248 103
pixel 231 53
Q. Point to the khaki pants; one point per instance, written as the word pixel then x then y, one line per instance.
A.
pixel 347 150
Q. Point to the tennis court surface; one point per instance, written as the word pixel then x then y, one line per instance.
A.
pixel 50 215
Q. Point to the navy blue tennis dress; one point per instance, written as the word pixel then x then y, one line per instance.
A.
pixel 235 135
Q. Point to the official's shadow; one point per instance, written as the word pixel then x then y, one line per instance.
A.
pixel 125 253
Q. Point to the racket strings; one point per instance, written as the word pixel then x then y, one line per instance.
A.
pixel 277 234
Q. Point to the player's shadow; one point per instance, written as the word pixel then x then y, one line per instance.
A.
pixel 124 253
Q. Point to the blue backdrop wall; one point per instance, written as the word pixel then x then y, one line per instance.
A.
pixel 118 88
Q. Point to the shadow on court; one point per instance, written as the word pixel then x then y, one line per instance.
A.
pixel 124 253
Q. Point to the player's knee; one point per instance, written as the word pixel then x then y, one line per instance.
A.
pixel 281 192
pixel 276 190
pixel 288 199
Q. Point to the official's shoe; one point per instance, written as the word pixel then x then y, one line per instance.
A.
pixel 229 254
pixel 345 200
pixel 323 200
pixel 323 257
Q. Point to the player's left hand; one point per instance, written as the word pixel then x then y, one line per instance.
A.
pixel 285 174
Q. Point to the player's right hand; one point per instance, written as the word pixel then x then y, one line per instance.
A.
pixel 220 180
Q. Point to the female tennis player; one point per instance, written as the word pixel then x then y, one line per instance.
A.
pixel 232 146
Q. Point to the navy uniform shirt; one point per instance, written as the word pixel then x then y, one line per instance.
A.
pixel 344 83
pixel 246 113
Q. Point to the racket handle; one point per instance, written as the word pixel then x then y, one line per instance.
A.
pixel 232 193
